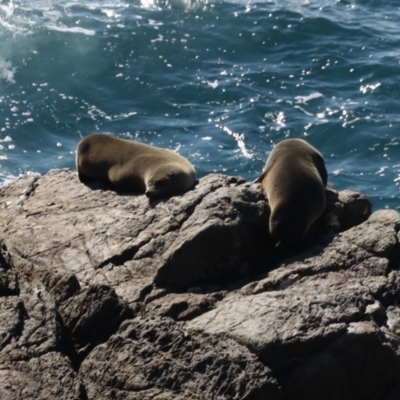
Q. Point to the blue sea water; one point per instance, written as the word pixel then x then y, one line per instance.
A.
pixel 218 81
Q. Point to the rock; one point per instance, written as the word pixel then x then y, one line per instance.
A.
pixel 155 358
pixel 182 306
pixel 345 209
pixel 219 230
pixel 357 208
pixel 107 295
pixel 226 236
pixel 47 377
pixel 320 321
pixel 91 316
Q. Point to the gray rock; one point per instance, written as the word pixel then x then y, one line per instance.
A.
pixel 320 321
pixel 107 295
pixel 91 316
pixel 47 377
pixel 155 358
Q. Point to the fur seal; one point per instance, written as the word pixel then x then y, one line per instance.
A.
pixel 294 179
pixel 134 167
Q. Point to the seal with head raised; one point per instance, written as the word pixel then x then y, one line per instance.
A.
pixel 134 167
pixel 294 179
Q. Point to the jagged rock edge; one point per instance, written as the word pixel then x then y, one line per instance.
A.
pixel 129 253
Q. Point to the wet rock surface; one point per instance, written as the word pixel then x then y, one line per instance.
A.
pixel 107 295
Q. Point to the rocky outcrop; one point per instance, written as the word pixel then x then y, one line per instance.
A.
pixel 107 295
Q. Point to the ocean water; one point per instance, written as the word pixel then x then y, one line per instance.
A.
pixel 218 81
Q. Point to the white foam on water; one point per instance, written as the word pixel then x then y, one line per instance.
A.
pixel 123 115
pixel 303 111
pixel 7 179
pixel 21 17
pixel 8 8
pixel 75 29
pixel 7 71
pixel 305 99
pixel 239 138
pixel 186 5
pixel 149 4
pixel 9 21
pixel 369 88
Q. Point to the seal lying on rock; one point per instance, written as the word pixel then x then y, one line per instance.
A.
pixel 294 179
pixel 133 166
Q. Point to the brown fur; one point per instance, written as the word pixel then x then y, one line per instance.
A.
pixel 294 179
pixel 134 167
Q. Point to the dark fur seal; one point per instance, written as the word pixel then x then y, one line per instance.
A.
pixel 294 179
pixel 133 167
